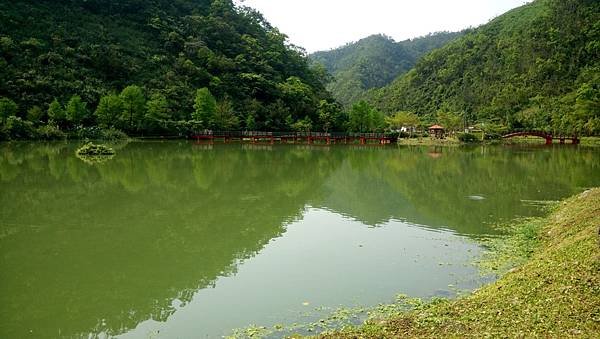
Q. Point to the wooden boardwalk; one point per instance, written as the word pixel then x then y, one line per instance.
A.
pixel 295 137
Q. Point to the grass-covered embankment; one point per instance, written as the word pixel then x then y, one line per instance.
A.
pixel 556 293
pixel 590 141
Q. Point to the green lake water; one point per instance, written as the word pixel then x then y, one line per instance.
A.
pixel 178 240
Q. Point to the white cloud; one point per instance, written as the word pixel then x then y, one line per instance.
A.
pixel 325 24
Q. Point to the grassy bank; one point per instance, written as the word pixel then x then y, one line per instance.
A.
pixel 590 141
pixel 555 293
pixel 585 141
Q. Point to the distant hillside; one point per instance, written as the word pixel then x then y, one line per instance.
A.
pixel 537 66
pixel 59 48
pixel 374 62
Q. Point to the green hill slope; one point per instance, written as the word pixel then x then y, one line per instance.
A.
pixel 374 62
pixel 56 49
pixel 537 66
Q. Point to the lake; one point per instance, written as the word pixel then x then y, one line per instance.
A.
pixel 177 240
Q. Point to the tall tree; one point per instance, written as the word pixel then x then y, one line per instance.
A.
pixel 587 108
pixel 35 114
pixel 304 125
pixel 205 107
pixel 56 113
pixel 329 114
pixel 376 120
pixel 225 118
pixel 250 122
pixel 298 97
pixel 451 121
pixel 360 115
pixel 7 108
pixel 134 106
pixel 109 110
pixel 76 110
pixel 278 116
pixel 157 111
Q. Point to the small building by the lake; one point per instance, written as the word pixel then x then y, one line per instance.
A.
pixel 437 132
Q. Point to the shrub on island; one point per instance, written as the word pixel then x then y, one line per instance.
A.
pixel 92 153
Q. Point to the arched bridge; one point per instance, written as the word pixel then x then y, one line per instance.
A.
pixel 547 136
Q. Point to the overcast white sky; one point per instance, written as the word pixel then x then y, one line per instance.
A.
pixel 324 24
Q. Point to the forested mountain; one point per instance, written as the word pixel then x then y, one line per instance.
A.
pixel 162 52
pixel 374 62
pixel 537 66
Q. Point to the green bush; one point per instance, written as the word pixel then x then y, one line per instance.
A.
pixel 97 133
pixel 113 134
pixel 95 154
pixel 50 132
pixel 468 138
pixel 91 133
pixel 15 128
pixel 95 150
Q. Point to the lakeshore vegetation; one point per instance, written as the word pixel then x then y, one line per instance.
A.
pixel 555 293
pixel 98 69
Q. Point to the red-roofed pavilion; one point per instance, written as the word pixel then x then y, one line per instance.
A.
pixel 437 131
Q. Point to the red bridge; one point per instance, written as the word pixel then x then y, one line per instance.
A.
pixel 547 136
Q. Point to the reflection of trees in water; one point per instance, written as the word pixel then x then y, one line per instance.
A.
pixel 375 186
pixel 120 240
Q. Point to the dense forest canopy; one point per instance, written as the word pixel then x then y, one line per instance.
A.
pixel 374 62
pixel 95 68
pixel 535 67
pixel 164 52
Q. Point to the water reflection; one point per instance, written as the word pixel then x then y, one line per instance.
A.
pixel 101 248
pixel 408 184
pixel 324 260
